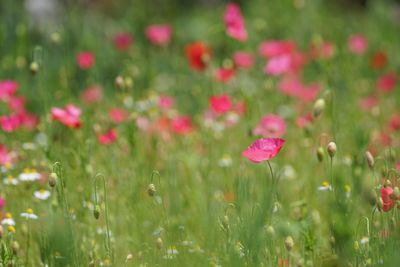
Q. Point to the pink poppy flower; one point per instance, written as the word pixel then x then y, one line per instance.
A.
pixel 182 125
pixel 387 82
pixel 7 89
pixel 123 41
pixel 224 74
pixel 16 103
pixel 275 48
pixel 357 44
pixel 263 149
pixel 270 126
pixel 159 34
pixel 243 59
pixel 2 202
pixel 5 156
pixel 368 103
pixel 10 123
pixel 394 122
pixel 278 65
pixel 85 60
pixel 118 115
pixel 386 195
pixel 92 94
pixel 143 123
pixel 165 102
pixel 325 50
pixel 234 22
pixel 27 120
pixel 108 138
pixel 240 108
pixel 69 115
pixel 303 121
pixel 220 103
pixel 292 86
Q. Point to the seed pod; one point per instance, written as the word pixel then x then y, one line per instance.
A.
pixel 289 243
pixel 151 190
pixel 96 212
pixel 320 154
pixel 331 148
pixel 370 159
pixel 319 106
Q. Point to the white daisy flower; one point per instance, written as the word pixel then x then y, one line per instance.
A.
pixel 325 187
pixel 29 214
pixel 364 240
pixel 29 175
pixel 172 252
pixel 29 146
pixel 225 161
pixel 42 194
pixel 10 180
pixel 8 220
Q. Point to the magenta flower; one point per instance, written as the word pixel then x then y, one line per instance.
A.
pixel 123 41
pixel 10 123
pixel 165 102
pixel 234 22
pixel 263 149
pixel 220 103
pixel 224 74
pixel 2 202
pixel 292 86
pixel 69 116
pixel 85 60
pixel 7 89
pixel 270 126
pixel 159 34
pixel 275 48
pixel 92 94
pixel 6 157
pixel 182 125
pixel 118 115
pixel 108 138
pixel 387 82
pixel 243 60
pixel 357 44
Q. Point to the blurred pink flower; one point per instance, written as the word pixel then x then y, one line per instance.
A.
pixel 220 103
pixel 368 103
pixel 278 65
pixel 358 44
pixel 324 50
pixel 123 41
pixel 159 34
pixel 108 138
pixel 2 202
pixel 118 115
pixel 234 22
pixel 243 60
pixel 5 156
pixel 10 123
pixel 270 126
pixel 240 108
pixel 292 86
pixel 69 115
pixel 387 82
pixel 182 125
pixel 16 103
pixel 224 74
pixel 394 122
pixel 263 149
pixel 387 198
pixel 275 48
pixel 7 89
pixel 303 121
pixel 92 94
pixel 85 60
pixel 165 102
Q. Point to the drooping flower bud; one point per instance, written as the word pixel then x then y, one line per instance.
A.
pixel 320 154
pixel 151 190
pixel 34 67
pixel 331 148
pixel 289 243
pixel 53 179
pixel 319 106
pixel 370 159
pixel 96 212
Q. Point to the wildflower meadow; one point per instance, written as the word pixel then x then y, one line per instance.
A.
pixel 199 133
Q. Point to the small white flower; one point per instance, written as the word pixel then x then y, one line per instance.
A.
pixel 10 180
pixel 171 253
pixel 29 214
pixel 8 220
pixel 42 194
pixel 364 240
pixel 225 161
pixel 29 146
pixel 29 175
pixel 325 187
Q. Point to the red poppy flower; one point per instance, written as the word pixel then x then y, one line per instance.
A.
pixel 234 22
pixel 108 138
pixel 69 116
pixel 378 60
pixel 182 125
pixel 198 54
pixel 123 41
pixel 386 195
pixel 85 60
pixel 220 103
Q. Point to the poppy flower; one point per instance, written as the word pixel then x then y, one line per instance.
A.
pixel 2 202
pixel 303 121
pixel 387 200
pixel 123 41
pixel 234 22
pixel 165 102
pixel 378 60
pixel 224 74
pixel 243 60
pixel 7 89
pixel 182 125
pixel 263 149
pixel 118 115
pixel 325 50
pixel 357 44
pixel 368 103
pixel 220 103
pixel 275 48
pixel 387 82
pixel 159 34
pixel 270 126
pixel 9 123
pixel 394 122
pixel 108 137
pixel 294 87
pixel 198 55
pixel 92 94
pixel 85 60
pixel 6 157
pixel 69 115
pixel 16 103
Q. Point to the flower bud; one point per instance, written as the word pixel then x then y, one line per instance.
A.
pixel 151 190
pixel 96 212
pixel 159 243
pixel 119 82
pixel 320 154
pixel 289 243
pixel 15 247
pixel 53 179
pixel 331 148
pixel 319 106
pixel 34 67
pixel 370 159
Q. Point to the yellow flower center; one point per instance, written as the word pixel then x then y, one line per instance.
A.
pixel 29 211
pixel 11 229
pixel 325 184
pixel 8 215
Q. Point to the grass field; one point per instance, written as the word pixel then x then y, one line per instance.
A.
pixel 128 145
